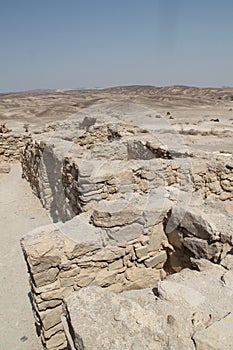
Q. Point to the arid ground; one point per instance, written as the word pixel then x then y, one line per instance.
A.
pixel 193 112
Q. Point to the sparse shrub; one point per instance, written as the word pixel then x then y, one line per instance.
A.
pixel 26 127
pixel 188 132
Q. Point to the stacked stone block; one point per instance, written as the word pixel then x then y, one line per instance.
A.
pixel 58 265
pixel 11 145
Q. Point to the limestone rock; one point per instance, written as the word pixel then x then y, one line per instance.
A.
pixel 105 278
pixel 156 207
pixel 218 336
pixel 79 229
pixel 108 254
pixel 156 237
pixel 42 247
pixel 172 291
pixel 200 248
pixel 125 234
pixel 56 341
pixel 192 220
pixel 142 277
pixel 157 259
pixel 227 261
pixel 51 317
pixel 141 252
pixel 85 277
pixel 116 265
pixel 45 277
pixel 117 218
pixel 124 322
pixel 184 304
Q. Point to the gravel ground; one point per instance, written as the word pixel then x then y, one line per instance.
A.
pixel 20 212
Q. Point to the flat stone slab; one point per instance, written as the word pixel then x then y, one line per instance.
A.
pixel 104 320
pixel 186 303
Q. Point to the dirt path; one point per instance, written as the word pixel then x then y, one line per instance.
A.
pixel 20 212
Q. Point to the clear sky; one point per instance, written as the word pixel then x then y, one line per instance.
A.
pixel 97 43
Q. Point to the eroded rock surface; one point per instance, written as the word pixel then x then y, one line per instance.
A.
pixel 217 336
pixel 189 310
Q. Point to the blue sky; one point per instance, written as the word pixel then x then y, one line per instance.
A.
pixel 97 43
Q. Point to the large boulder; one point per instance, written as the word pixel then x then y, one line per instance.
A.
pixel 185 306
pixel 103 320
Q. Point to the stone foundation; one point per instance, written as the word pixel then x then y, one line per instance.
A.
pixel 11 145
pixel 72 177
pixel 126 212
pixel 66 257
pixel 59 264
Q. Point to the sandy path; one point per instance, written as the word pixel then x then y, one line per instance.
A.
pixel 20 211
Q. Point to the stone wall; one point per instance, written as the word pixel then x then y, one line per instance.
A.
pixel 71 177
pixel 66 257
pixel 43 168
pixel 126 212
pixel 213 177
pixel 11 145
pixel 119 251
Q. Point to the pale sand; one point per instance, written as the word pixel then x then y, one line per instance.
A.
pixel 20 212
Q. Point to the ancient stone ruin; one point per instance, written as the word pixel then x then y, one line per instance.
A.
pixel 11 144
pixel 127 213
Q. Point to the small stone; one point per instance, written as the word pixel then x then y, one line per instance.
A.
pixel 176 238
pixel 170 320
pixel 5 168
pixel 111 219
pixel 51 318
pixel 67 281
pixel 23 339
pixel 116 265
pixel 141 252
pixel 45 277
pixel 56 340
pixel 159 258
pixel 105 278
pixel 156 238
pixel 142 277
pixel 85 277
pixel 126 234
